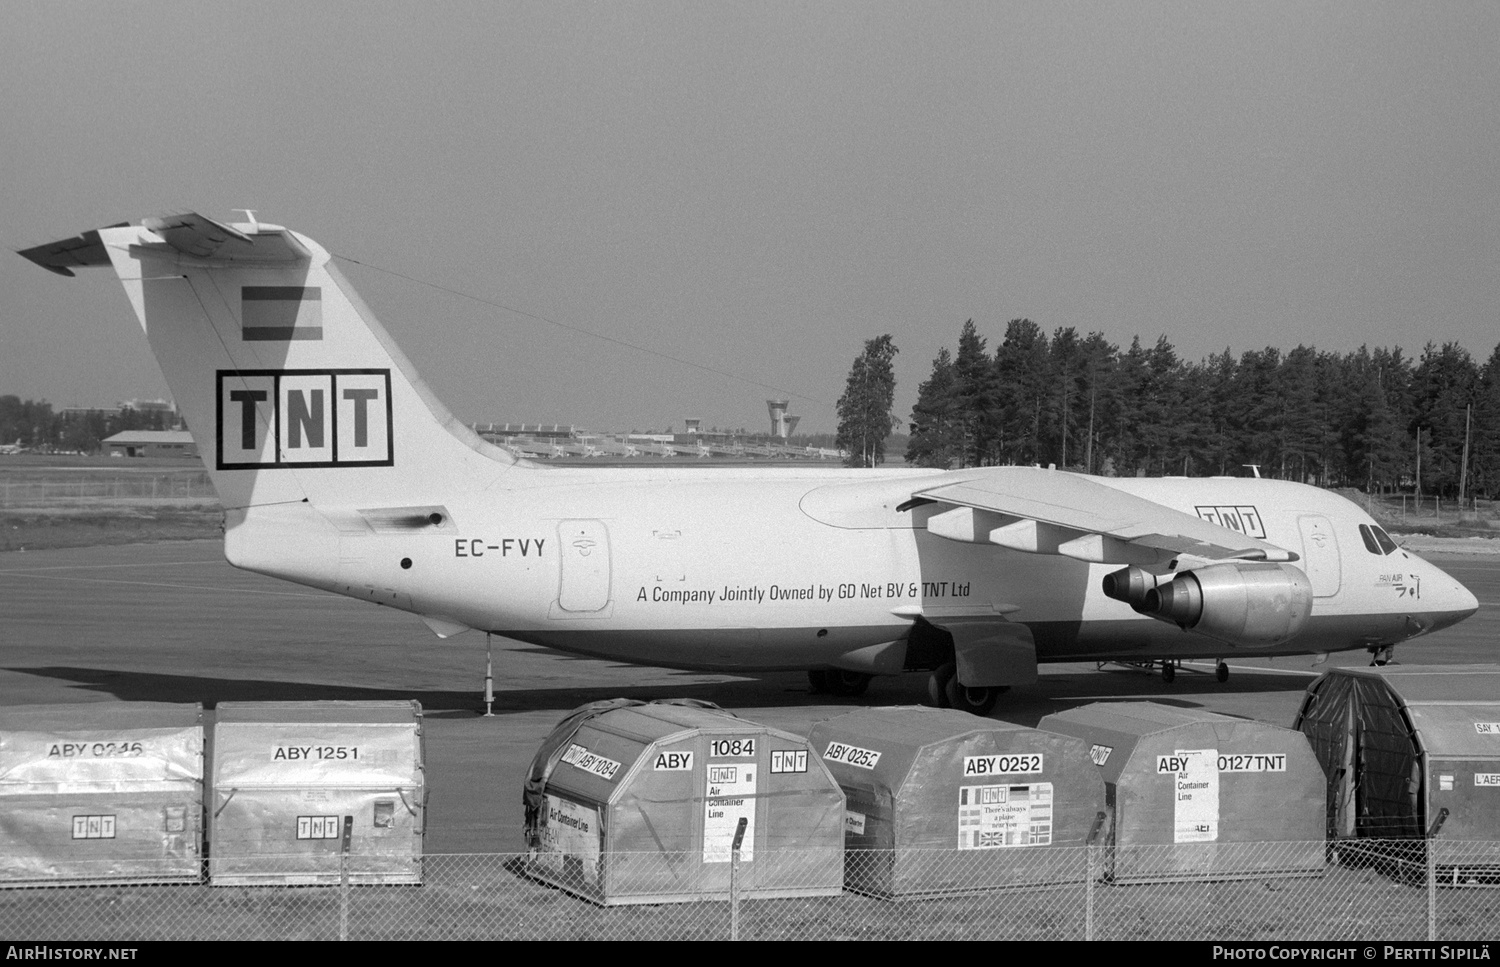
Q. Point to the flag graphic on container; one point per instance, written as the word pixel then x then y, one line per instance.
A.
pixel 992 817
pixel 281 313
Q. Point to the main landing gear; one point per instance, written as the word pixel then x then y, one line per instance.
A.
pixel 944 691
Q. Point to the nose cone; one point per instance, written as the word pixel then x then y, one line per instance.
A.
pixel 1446 601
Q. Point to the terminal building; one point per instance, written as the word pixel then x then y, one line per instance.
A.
pixel 557 440
pixel 164 410
pixel 151 443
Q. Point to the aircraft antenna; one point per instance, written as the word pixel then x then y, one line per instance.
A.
pixel 249 217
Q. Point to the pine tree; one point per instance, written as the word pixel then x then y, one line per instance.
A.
pixel 936 430
pixel 1444 384
pixel 1297 436
pixel 1023 391
pixel 1098 402
pixel 1067 365
pixel 1484 450
pixel 1217 375
pixel 975 390
pixel 864 410
pixel 1259 413
pixel 1166 411
pixel 1372 429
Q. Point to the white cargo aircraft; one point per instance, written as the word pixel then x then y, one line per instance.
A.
pixel 338 469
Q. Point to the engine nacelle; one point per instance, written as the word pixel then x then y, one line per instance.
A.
pixel 1244 603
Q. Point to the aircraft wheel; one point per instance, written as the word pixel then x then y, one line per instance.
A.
pixel 846 684
pixel 1168 671
pixel 1222 672
pixel 937 685
pixel 818 680
pixel 977 700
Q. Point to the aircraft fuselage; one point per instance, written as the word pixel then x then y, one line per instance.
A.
pixel 772 569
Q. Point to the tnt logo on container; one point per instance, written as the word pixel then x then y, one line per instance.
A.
pixel 304 418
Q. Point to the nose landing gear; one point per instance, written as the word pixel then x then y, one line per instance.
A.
pixel 1169 667
pixel 1169 670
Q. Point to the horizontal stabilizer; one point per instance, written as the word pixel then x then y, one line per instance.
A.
pixel 190 236
pixel 193 234
pixel 62 257
pixel 199 237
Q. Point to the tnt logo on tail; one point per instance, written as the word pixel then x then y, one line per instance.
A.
pixel 304 418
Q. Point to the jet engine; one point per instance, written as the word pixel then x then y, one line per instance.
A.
pixel 1243 603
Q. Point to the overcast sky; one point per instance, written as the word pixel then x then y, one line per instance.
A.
pixel 760 187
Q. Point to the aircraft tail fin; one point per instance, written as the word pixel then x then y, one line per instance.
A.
pixel 293 391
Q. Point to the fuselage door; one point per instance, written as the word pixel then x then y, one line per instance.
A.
pixel 1320 555
pixel 584 581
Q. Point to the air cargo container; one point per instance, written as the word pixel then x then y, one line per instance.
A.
pixel 1201 796
pixel 103 793
pixel 287 777
pixel 631 802
pixel 1411 750
pixel 943 802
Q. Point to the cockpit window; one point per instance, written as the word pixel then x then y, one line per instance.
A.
pixel 1376 540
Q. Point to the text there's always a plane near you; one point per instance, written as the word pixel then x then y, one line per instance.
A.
pixel 339 469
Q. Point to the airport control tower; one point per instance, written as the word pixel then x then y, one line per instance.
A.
pixel 778 418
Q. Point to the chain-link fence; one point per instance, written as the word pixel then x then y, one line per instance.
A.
pixel 1365 889
pixel 20 490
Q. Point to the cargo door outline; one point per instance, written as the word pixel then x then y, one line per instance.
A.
pixel 584 572
pixel 1320 558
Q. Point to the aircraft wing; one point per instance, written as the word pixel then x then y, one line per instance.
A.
pixel 1051 512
